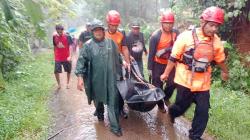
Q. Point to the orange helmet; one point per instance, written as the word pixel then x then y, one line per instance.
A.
pixel 113 17
pixel 167 17
pixel 214 14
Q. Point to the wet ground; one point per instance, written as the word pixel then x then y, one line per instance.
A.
pixel 73 120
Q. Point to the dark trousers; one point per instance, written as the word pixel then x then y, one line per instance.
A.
pixel 113 112
pixel 99 109
pixel 121 103
pixel 183 101
pixel 157 71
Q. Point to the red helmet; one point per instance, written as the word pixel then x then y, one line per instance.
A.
pixel 113 17
pixel 167 17
pixel 214 14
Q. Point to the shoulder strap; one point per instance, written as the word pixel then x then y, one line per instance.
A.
pixel 172 38
pixel 140 36
pixel 158 35
pixel 196 40
pixel 195 37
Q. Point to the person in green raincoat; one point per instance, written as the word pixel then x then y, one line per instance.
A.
pixel 98 68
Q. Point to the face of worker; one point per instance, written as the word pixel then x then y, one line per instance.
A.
pixel 167 26
pixel 210 28
pixel 98 34
pixel 59 31
pixel 112 28
pixel 135 30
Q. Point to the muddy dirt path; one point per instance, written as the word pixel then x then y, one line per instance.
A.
pixel 73 120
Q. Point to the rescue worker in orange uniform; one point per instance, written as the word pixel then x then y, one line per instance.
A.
pixel 192 55
pixel 160 46
pixel 113 20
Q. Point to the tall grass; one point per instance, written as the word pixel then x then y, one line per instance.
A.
pixel 229 117
pixel 23 105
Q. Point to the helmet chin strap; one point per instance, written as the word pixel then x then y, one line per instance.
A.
pixel 202 28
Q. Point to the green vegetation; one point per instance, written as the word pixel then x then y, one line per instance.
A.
pixel 24 111
pixel 229 114
pixel 23 90
pixel 239 74
pixel 236 14
pixel 14 31
pixel 22 22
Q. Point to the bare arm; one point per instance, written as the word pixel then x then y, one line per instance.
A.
pixel 167 71
pixel 125 53
pixel 80 83
pixel 80 44
pixel 224 71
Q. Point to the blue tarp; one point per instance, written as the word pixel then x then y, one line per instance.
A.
pixel 71 30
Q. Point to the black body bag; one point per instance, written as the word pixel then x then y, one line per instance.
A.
pixel 138 93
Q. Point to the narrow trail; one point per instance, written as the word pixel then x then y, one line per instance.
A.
pixel 73 120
